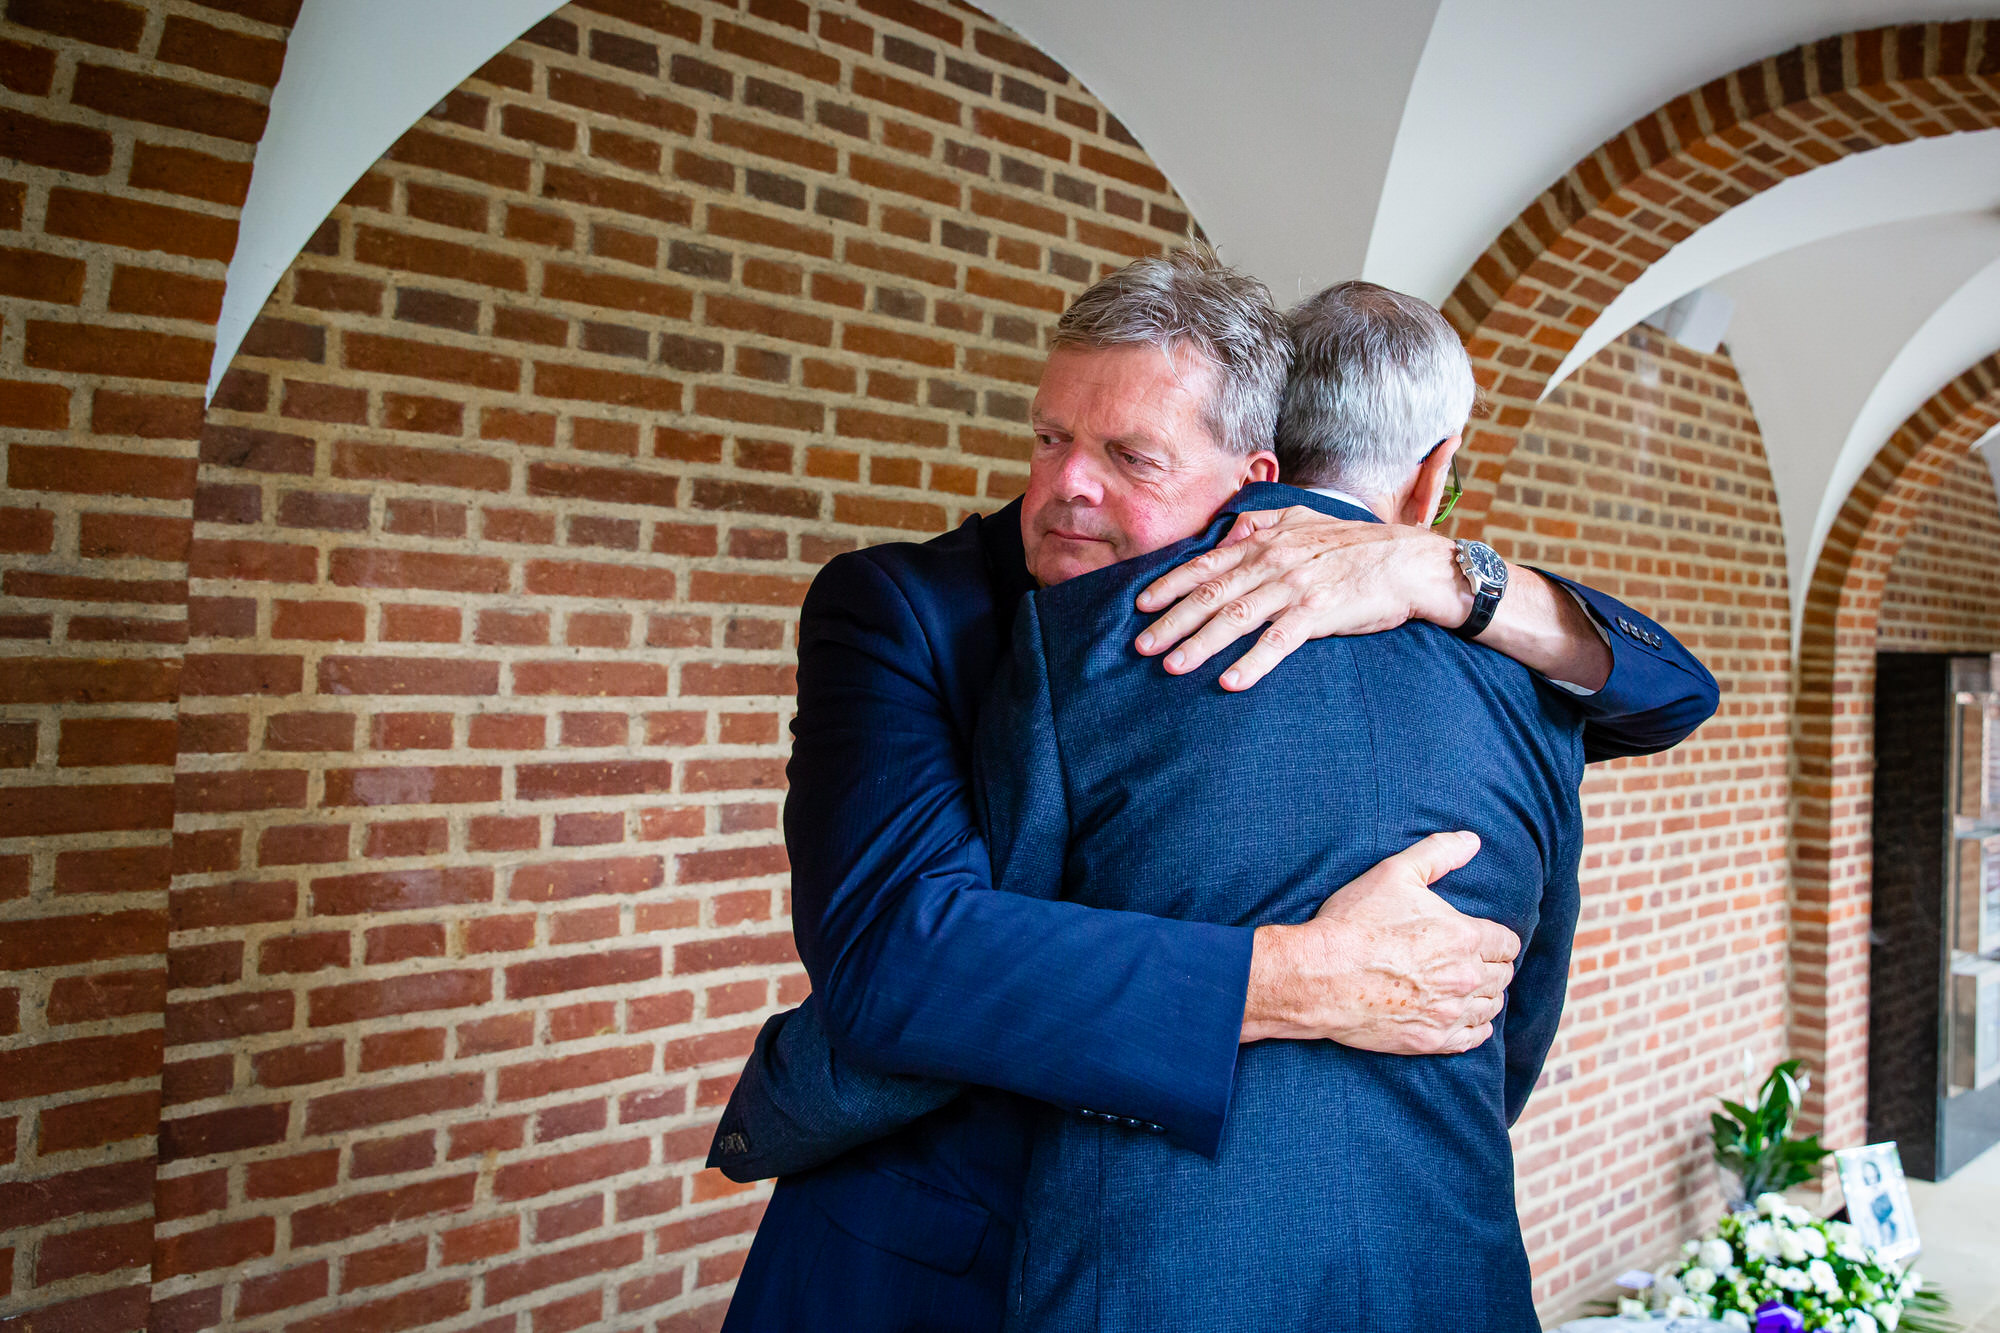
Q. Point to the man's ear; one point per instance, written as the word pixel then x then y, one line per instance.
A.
pixel 1420 506
pixel 1260 466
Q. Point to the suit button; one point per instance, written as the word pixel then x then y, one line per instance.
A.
pixel 1152 1128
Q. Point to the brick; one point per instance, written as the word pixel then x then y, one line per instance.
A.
pixel 453 468
pixel 621 101
pixel 541 782
pixel 444 785
pixel 444 259
pixel 559 880
pixel 401 890
pixel 100 995
pixel 242 674
pixel 94 808
pixel 379 1104
pixel 313 951
pixel 225 1246
pixel 227 1131
pixel 67 468
pixel 282 1290
pixel 510 1281
pixel 912 181
pixel 576 186
pixel 436 571
pixel 765 49
pixel 356 1001
pixel 579 579
pixel 190 174
pixel 227 1017
pixel 739 225
pixel 589 680
pixel 529 1179
pixel 550 976
pixel 236 904
pixel 411 1309
pixel 451 365
pixel 563 282
pixel 94 742
pixel 37 142
pixel 555 380
pixel 27 406
pixel 256 450
pixel 86 349
pixel 169 102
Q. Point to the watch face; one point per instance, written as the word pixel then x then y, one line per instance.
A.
pixel 1485 563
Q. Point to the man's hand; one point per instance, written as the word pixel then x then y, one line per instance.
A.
pixel 1309 575
pixel 1387 965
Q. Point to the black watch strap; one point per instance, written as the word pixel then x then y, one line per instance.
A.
pixel 1484 603
pixel 1486 574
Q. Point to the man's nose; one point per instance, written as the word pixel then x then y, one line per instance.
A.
pixel 1077 478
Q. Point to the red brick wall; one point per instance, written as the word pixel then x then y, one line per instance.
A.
pixel 1644 475
pixel 502 518
pixel 126 133
pixel 1943 589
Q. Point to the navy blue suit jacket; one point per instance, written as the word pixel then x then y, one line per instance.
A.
pixel 918 972
pixel 1351 1190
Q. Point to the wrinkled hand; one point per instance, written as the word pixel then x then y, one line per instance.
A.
pixel 1306 573
pixel 1387 965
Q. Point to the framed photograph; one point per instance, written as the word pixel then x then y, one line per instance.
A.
pixel 1878 1199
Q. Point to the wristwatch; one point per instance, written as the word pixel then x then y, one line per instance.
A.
pixel 1486 573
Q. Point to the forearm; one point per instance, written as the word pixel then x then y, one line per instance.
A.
pixel 1537 623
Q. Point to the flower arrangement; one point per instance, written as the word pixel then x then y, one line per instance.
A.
pixel 1782 1253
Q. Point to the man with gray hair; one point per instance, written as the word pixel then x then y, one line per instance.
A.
pixel 1168 799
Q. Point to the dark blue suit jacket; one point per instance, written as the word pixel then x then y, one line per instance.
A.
pixel 918 972
pixel 1351 1190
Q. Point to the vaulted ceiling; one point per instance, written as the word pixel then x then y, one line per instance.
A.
pixel 1392 139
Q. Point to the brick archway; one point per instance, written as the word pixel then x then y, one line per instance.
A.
pixel 1833 736
pixel 1552 271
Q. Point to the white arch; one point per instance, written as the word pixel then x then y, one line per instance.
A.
pixel 357 74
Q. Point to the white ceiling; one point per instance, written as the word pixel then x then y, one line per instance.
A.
pixel 1391 138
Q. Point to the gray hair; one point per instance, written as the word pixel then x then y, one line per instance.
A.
pixel 1191 298
pixel 1378 380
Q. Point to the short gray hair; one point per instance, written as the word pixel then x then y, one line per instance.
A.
pixel 1191 298
pixel 1378 380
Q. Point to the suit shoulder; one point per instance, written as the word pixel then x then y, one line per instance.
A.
pixel 914 573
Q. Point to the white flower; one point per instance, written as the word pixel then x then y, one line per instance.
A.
pixel 1760 1240
pixel 1841 1232
pixel 1735 1319
pixel 1821 1273
pixel 1698 1280
pixel 1681 1305
pixel 1913 1282
pixel 1690 1248
pixel 1887 1315
pixel 1851 1250
pixel 1859 1322
pixel 1814 1240
pixel 1770 1204
pixel 1791 1279
pixel 1790 1248
pixel 1631 1309
pixel 1716 1254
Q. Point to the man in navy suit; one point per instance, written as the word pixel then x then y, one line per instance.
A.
pixel 1134 1017
pixel 1351 1190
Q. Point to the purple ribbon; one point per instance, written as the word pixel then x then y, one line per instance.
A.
pixel 1777 1317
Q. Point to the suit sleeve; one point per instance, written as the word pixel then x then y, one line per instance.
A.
pixel 920 966
pixel 1657 694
